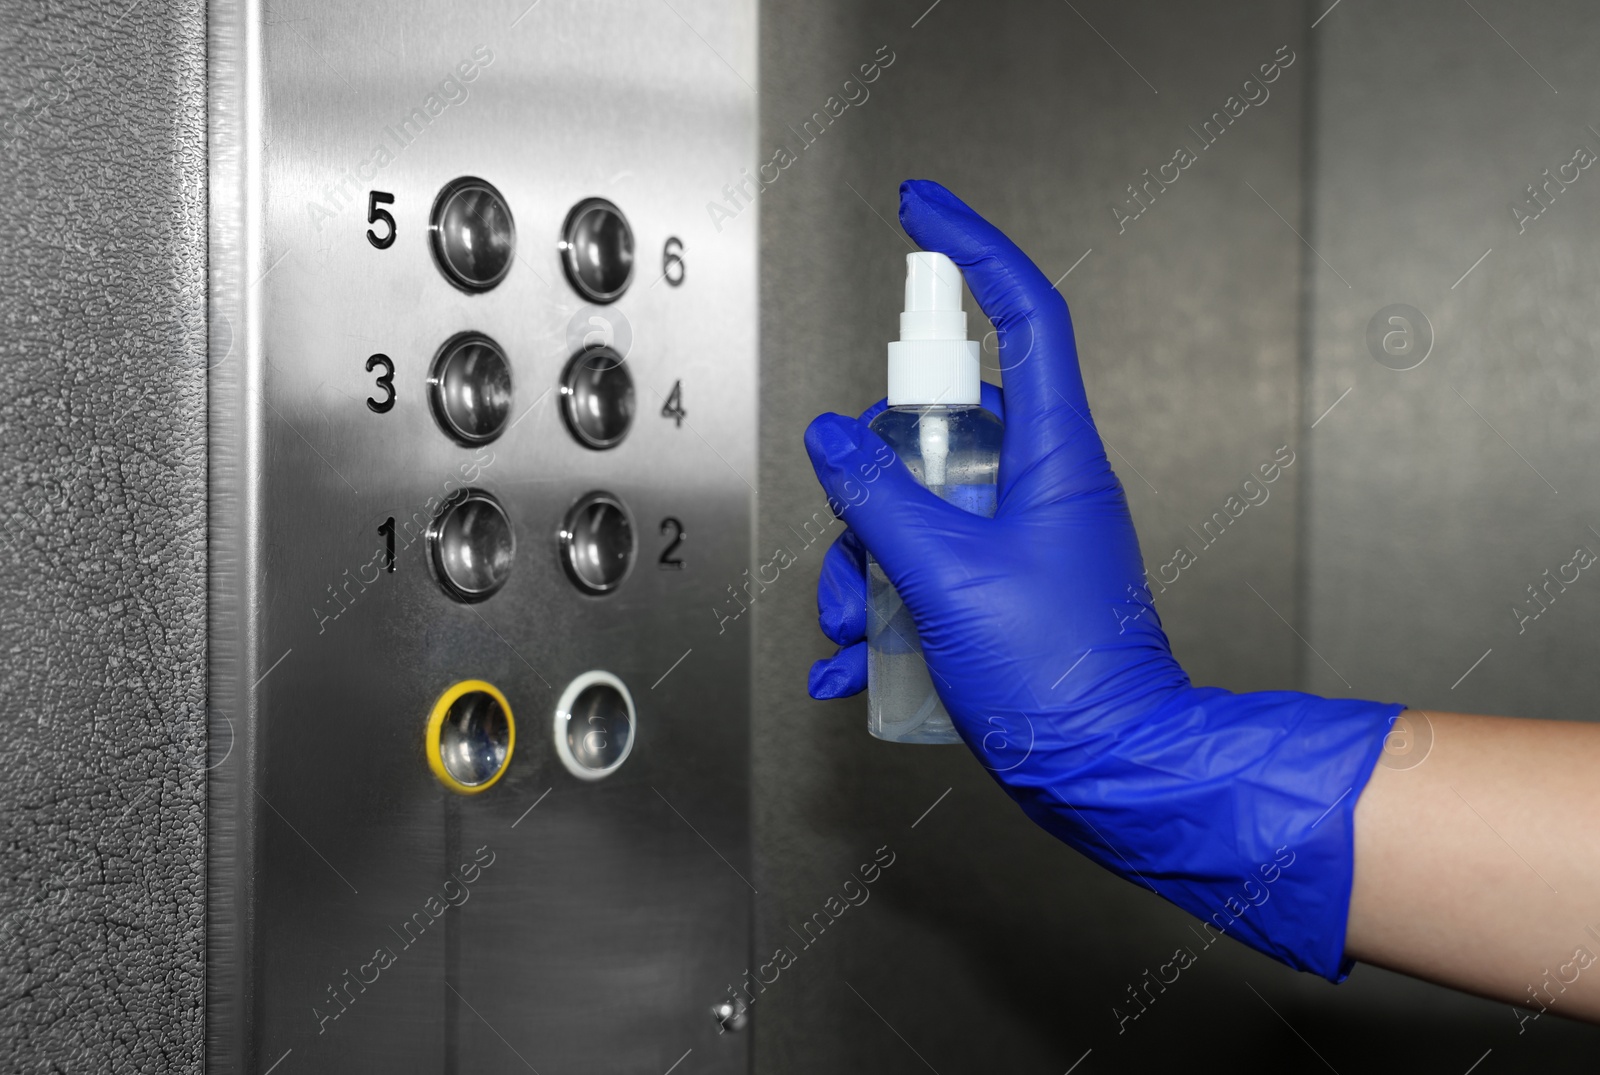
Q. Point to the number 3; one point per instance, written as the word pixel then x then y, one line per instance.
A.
pixel 385 381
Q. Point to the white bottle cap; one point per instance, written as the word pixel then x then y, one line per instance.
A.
pixel 933 362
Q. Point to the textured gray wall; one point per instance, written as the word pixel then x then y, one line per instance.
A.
pixel 102 564
pixel 987 946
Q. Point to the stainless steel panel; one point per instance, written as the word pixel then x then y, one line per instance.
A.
pixel 594 924
pixel 1187 324
pixel 1398 136
pixel 1438 494
pixel 1443 492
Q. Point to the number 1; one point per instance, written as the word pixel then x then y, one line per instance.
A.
pixel 387 530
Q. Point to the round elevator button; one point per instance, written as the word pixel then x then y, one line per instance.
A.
pixel 597 397
pixel 470 736
pixel 597 250
pixel 471 545
pixel 594 725
pixel 597 544
pixel 474 237
pixel 469 387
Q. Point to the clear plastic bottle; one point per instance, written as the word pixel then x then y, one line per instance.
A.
pixel 952 446
pixel 955 452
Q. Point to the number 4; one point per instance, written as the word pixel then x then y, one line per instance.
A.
pixel 673 407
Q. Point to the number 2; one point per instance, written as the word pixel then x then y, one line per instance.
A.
pixel 385 381
pixel 374 214
pixel 668 561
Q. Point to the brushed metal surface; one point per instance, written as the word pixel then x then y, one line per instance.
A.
pixel 1444 491
pixel 1187 327
pixel 1438 494
pixel 1401 135
pixel 594 924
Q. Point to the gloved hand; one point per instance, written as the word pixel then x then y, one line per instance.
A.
pixel 1044 645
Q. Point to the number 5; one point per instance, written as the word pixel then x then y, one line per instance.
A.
pixel 374 214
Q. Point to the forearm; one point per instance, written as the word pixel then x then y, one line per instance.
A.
pixel 1477 867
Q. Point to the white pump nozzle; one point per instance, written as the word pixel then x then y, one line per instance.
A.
pixel 933 299
pixel 933 362
pixel 932 282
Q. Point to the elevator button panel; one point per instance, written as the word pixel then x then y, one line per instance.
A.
pixel 470 736
pixel 595 725
pixel 488 446
pixel 597 250
pixel 472 545
pixel 597 399
pixel 597 543
pixel 474 237
pixel 469 388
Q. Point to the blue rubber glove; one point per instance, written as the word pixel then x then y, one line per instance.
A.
pixel 1044 645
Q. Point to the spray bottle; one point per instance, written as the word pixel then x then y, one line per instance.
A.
pixel 951 445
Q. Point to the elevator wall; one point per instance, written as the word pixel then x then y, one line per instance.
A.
pixel 102 561
pixel 1397 538
pixel 1442 493
pixel 987 939
pixel 1447 501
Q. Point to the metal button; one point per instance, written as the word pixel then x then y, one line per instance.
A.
pixel 470 736
pixel 597 250
pixel 471 545
pixel 597 543
pixel 597 397
pixel 594 725
pixel 469 387
pixel 474 237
